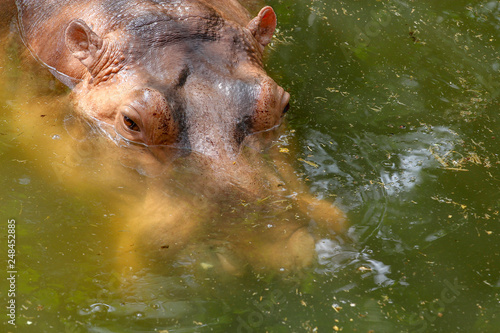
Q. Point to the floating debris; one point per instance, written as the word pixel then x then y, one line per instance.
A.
pixel 308 162
pixel 364 269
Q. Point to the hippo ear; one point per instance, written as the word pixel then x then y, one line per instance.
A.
pixel 82 42
pixel 263 26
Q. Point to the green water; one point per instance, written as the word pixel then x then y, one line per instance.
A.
pixel 395 116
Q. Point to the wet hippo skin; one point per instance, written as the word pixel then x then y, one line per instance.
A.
pixel 184 82
pixel 161 71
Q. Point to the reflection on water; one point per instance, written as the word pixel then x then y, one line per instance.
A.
pixel 394 118
pixel 406 157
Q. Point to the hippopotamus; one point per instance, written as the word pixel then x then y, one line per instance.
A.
pixel 185 73
pixel 184 81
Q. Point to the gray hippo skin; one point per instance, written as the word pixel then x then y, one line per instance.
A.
pixel 186 75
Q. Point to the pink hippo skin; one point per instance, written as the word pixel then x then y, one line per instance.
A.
pixel 184 80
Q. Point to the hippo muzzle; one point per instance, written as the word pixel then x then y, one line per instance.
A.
pixel 221 113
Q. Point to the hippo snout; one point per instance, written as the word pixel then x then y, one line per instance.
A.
pixel 220 115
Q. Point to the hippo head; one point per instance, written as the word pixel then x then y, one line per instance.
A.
pixel 178 75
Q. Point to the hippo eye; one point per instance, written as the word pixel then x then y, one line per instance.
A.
pixel 131 124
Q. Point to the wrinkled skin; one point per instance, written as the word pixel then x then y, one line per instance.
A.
pixel 183 83
pixel 162 72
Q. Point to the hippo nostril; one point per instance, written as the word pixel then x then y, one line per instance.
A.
pixel 285 100
pixel 243 129
pixel 287 107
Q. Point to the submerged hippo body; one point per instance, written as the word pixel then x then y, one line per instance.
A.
pixel 184 81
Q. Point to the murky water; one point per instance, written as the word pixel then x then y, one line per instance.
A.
pixel 395 117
